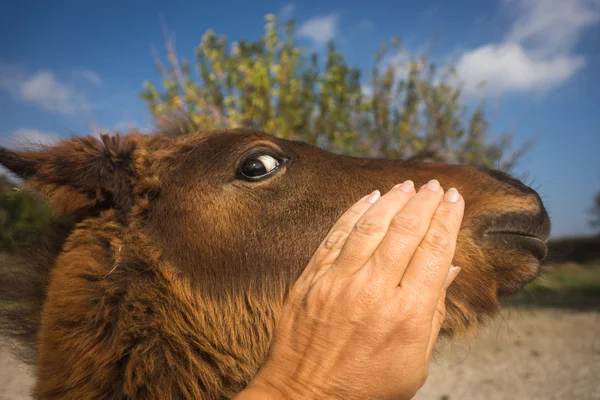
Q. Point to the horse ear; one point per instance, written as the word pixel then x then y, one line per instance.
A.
pixel 79 174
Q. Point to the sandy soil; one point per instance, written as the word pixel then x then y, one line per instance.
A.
pixel 533 354
pixel 528 354
pixel 15 377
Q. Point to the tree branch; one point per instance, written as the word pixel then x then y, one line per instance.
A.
pixel 174 61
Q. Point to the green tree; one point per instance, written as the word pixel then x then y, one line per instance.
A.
pixel 409 110
pixel 24 217
pixel 595 212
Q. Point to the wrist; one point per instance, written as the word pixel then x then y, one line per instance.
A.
pixel 272 389
pixel 256 393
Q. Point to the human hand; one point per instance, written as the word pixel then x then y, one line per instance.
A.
pixel 362 319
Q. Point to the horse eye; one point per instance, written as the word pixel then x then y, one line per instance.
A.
pixel 256 167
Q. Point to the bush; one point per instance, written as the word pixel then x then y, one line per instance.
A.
pixel 410 110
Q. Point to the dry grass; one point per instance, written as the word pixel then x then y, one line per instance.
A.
pixel 565 286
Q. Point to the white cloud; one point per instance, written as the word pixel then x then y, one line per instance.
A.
pixel 509 68
pixel 367 90
pixel 552 26
pixel 91 76
pixel 30 137
pixel 400 62
pixel 42 89
pixel 319 29
pixel 537 53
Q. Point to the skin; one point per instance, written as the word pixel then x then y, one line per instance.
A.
pixel 363 318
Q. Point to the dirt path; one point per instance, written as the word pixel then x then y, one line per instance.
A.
pixel 527 355
pixel 15 377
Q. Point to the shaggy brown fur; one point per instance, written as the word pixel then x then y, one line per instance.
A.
pixel 170 284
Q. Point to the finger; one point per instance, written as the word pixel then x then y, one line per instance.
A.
pixel 370 229
pixel 428 268
pixel 336 237
pixel 405 233
pixel 436 324
pixel 440 312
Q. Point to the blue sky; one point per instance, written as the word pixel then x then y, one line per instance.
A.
pixel 68 67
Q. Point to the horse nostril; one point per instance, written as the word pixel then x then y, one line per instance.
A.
pixel 528 232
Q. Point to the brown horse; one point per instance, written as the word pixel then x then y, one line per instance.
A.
pixel 170 284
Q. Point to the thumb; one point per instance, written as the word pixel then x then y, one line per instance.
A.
pixel 440 312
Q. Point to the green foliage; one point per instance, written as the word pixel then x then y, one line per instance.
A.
pixel 576 287
pixel 595 212
pixel 578 249
pixel 410 109
pixel 586 277
pixel 22 216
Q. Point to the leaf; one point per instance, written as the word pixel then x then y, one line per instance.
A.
pixel 272 84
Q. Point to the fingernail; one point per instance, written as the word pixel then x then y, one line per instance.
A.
pixel 406 186
pixel 451 276
pixel 451 195
pixel 364 198
pixel 433 185
pixel 373 197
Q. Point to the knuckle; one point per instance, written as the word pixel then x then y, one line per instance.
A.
pixel 409 312
pixel 298 291
pixel 320 295
pixel 296 301
pixel 352 213
pixel 406 224
pixel 370 227
pixel 430 195
pixel 440 314
pixel 448 212
pixel 438 241
pixel 370 294
pixel 335 240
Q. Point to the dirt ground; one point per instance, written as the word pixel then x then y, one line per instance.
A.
pixel 15 379
pixel 528 354
pixel 535 354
